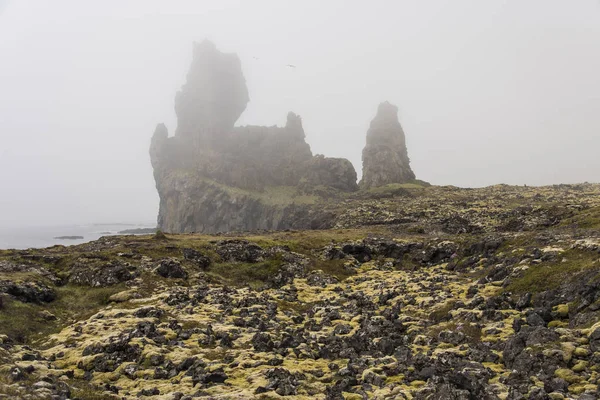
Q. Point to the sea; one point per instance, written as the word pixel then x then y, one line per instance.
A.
pixel 46 236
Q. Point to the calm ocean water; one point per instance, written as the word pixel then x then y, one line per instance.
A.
pixel 44 236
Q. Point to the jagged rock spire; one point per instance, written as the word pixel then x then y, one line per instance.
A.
pixel 214 96
pixel 385 157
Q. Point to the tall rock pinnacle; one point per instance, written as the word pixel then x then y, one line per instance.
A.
pixel 214 96
pixel 385 158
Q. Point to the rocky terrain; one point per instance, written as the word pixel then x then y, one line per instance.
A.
pixel 413 292
pixel 212 176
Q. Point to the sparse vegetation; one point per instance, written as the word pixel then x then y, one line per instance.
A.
pixel 25 323
pixel 256 299
pixel 549 275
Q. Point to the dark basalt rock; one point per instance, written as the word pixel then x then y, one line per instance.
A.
pixel 595 340
pixel 283 382
pixel 99 274
pixel 111 355
pixel 29 292
pixel 196 257
pixel 240 251
pixel 171 268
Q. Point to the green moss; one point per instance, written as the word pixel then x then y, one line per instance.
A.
pixel 587 219
pixel 557 324
pixel 296 306
pixel 567 375
pixel 580 366
pixel 83 391
pixel 271 195
pixel 442 313
pixel 217 354
pixel 562 310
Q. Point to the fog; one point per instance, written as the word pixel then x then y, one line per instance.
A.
pixel 489 91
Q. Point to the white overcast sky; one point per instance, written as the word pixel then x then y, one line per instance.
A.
pixel 495 91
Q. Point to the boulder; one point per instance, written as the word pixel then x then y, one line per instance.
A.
pixel 28 292
pixel 171 268
pixel 337 173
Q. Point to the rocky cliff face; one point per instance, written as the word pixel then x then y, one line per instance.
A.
pixel 385 157
pixel 212 176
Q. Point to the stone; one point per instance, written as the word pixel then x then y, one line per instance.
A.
pixel 171 268
pixel 28 292
pixel 595 339
pixel 47 315
pixel 385 157
pixel 196 257
pixel 337 173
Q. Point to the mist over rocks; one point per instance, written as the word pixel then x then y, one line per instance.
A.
pixel 385 157
pixel 213 176
pixel 214 96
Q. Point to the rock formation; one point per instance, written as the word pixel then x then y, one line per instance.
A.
pixel 385 158
pixel 212 176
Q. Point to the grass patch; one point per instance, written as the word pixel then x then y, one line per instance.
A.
pixel 550 275
pixel 85 391
pixel 296 306
pixel 335 268
pixel 271 195
pixel 396 189
pixel 255 275
pixel 587 219
pixel 23 323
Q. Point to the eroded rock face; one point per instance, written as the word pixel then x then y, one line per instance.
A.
pixel 199 172
pixel 337 173
pixel 214 96
pixel 385 157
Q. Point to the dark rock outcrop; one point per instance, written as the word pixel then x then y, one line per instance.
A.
pixel 385 158
pixel 212 176
pixel 337 173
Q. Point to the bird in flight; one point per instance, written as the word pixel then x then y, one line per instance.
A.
pixel 291 66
